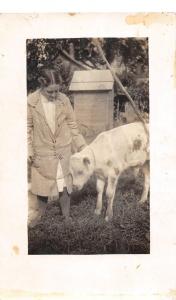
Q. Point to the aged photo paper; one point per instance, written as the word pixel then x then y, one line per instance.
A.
pixel 108 276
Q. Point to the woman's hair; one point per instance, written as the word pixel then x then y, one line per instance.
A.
pixel 49 76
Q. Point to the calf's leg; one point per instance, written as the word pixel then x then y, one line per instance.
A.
pixel 145 170
pixel 100 189
pixel 110 192
pixel 136 171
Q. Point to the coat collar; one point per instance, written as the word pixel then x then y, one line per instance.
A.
pixel 35 101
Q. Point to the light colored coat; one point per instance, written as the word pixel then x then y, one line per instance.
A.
pixel 47 148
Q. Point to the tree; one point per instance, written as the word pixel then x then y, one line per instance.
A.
pixel 129 57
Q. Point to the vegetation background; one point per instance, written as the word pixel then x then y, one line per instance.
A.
pixel 128 57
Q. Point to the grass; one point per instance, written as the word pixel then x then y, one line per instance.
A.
pixel 86 233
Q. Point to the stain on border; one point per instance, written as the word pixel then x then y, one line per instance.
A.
pixel 147 19
pixel 16 250
pixel 72 14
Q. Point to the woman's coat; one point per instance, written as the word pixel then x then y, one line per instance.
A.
pixel 47 148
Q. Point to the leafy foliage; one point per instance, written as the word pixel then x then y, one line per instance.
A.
pixel 128 55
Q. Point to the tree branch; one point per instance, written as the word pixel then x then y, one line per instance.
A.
pixel 117 80
pixel 74 61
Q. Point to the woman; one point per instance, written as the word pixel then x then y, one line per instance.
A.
pixel 52 129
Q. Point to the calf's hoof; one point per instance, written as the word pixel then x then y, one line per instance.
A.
pixel 67 219
pixel 142 201
pixel 97 212
pixel 109 217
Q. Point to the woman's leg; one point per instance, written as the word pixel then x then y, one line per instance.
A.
pixel 64 200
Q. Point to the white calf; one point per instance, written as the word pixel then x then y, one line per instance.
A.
pixel 108 156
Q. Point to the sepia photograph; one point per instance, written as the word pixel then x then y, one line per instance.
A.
pixel 87 156
pixel 88 146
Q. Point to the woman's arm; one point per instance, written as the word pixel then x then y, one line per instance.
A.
pixel 78 139
pixel 30 132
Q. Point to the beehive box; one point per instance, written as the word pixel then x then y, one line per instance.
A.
pixel 92 93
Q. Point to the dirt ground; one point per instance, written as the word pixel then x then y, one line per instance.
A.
pixel 86 233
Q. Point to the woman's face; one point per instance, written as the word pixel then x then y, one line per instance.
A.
pixel 51 92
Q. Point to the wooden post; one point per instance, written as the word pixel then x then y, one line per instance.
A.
pixel 96 42
pixel 71 50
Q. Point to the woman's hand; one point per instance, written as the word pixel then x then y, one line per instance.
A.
pixel 82 147
pixel 30 159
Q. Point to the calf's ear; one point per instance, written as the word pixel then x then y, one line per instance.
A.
pixel 86 161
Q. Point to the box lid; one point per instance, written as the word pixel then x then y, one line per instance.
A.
pixel 92 80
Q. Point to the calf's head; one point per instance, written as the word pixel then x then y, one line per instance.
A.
pixel 81 168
